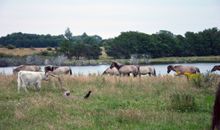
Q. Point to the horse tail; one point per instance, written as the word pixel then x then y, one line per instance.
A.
pixel 138 70
pixel 155 73
pixel 71 72
pixel 197 70
pixel 104 72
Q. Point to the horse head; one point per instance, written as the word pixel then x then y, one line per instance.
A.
pixel 115 64
pixel 169 68
pixel 217 67
pixel 48 68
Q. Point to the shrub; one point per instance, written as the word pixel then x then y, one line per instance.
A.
pixel 182 102
pixel 44 53
pixel 201 80
pixel 49 48
pixel 9 46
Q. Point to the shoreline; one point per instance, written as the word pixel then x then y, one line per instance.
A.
pixel 39 60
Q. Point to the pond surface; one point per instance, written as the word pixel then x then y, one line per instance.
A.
pixel 161 69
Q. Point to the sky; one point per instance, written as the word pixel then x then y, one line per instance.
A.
pixel 107 18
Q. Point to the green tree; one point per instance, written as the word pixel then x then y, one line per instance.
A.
pixel 68 34
pixel 66 47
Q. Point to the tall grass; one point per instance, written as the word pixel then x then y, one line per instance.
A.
pixel 154 103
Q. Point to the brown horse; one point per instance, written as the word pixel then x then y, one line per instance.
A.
pixel 27 68
pixel 111 71
pixel 180 70
pixel 58 69
pixel 125 69
pixel 216 111
pixel 216 67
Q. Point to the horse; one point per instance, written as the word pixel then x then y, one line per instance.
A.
pixel 27 68
pixel 58 69
pixel 144 70
pixel 110 71
pixel 181 70
pixel 216 67
pixel 126 69
pixel 216 111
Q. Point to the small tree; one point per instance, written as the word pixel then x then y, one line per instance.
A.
pixel 66 48
pixel 68 34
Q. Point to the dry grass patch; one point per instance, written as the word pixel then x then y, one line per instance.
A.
pixel 22 51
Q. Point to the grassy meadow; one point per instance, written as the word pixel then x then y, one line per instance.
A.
pixel 150 103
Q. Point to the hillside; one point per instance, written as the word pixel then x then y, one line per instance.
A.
pixel 21 51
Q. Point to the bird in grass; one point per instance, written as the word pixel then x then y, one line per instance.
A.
pixel 87 95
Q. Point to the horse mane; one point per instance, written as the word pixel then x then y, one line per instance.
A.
pixel 117 65
pixel 54 67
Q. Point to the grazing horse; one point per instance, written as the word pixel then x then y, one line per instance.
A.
pixel 27 78
pixel 216 111
pixel 125 69
pixel 111 71
pixel 144 70
pixel 58 69
pixel 27 68
pixel 216 67
pixel 181 70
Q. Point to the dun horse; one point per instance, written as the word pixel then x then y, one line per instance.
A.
pixel 27 68
pixel 58 69
pixel 126 69
pixel 216 67
pixel 144 70
pixel 110 71
pixel 180 70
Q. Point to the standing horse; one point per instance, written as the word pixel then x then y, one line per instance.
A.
pixel 27 68
pixel 125 69
pixel 216 67
pixel 181 70
pixel 144 70
pixel 58 69
pixel 111 71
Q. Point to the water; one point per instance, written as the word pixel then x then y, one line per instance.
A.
pixel 161 69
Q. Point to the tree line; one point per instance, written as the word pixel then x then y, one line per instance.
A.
pixel 164 44
pixel 31 40
pixel 161 44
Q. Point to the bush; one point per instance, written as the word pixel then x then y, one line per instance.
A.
pixel 182 102
pixel 202 80
pixel 9 46
pixel 49 48
pixel 44 53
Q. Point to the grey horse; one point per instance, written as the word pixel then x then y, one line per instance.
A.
pixel 126 69
pixel 27 68
pixel 144 70
pixel 58 69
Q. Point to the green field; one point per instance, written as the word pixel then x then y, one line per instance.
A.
pixel 149 103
